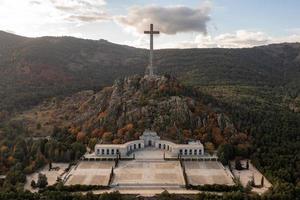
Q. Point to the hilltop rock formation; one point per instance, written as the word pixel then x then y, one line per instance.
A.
pixel 123 111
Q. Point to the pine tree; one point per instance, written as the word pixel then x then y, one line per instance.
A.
pixel 262 181
pixel 42 181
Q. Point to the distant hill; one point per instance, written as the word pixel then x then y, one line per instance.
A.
pixel 32 69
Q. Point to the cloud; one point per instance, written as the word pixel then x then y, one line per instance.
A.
pixel 238 39
pixel 34 2
pixel 89 18
pixel 82 10
pixel 10 31
pixel 75 10
pixel 35 18
pixel 293 30
pixel 78 4
pixel 168 20
pixel 142 41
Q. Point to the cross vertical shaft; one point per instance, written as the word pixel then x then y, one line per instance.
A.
pixel 151 33
pixel 151 71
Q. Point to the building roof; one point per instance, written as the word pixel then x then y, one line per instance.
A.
pixel 119 145
pixel 149 133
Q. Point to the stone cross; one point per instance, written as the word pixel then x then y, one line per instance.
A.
pixel 151 32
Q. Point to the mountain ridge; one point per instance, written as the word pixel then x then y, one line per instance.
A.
pixel 32 69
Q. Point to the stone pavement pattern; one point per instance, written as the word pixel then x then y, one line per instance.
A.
pixel 207 172
pixel 90 173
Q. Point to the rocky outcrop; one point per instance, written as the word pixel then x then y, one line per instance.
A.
pixel 159 103
pixel 225 122
pixel 147 102
pixel 295 105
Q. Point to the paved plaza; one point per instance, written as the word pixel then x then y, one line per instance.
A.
pixel 51 175
pixel 90 173
pixel 146 173
pixel 207 172
pixel 247 175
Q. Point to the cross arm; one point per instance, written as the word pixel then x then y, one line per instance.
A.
pixel 151 32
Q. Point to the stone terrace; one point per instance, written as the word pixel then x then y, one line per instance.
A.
pixel 90 173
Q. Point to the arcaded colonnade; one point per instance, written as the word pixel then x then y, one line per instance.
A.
pixel 150 139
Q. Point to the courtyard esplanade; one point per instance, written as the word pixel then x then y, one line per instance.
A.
pixel 150 139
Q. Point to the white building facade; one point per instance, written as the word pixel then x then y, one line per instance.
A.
pixel 150 139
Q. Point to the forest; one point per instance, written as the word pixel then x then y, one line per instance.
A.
pixel 21 155
pixel 276 140
pixel 258 88
pixel 275 147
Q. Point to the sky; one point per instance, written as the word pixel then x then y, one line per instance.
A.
pixel 182 23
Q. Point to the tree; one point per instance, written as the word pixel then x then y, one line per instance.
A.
pixel 187 134
pixel 234 196
pixel 38 126
pixel 117 141
pixel 201 196
pixel 20 150
pixel 262 181
pixel 252 181
pixel 50 165
pixel 111 196
pixel 165 195
pixel 129 135
pixel 97 133
pixel 42 181
pixel 33 184
pixel 16 175
pixel 107 137
pixel 238 164
pixel 78 150
pixel 92 143
pixel 207 137
pixel 217 136
pixel 210 147
pixel 4 151
pixel 225 153
pixel 80 136
pixel 129 127
pixel 40 160
pixel 248 187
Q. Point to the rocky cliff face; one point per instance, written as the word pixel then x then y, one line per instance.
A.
pixel 156 103
pixel 132 105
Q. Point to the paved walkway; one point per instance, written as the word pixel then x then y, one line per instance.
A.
pixel 149 153
pixel 149 192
